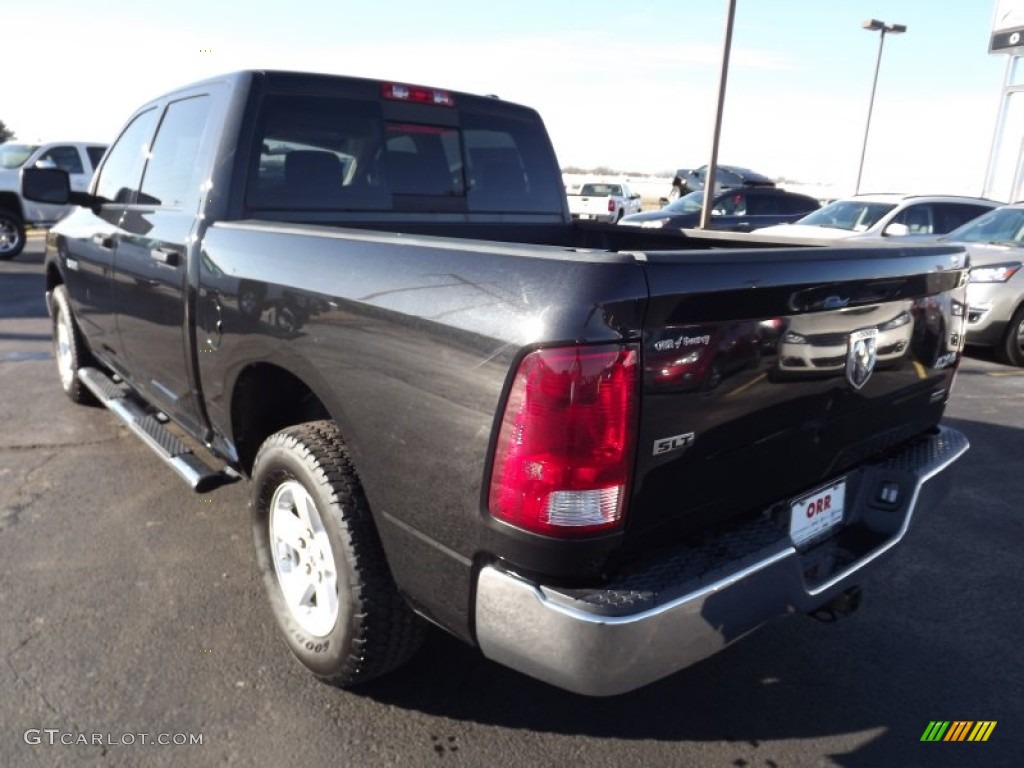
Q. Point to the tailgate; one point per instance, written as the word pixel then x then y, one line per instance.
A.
pixel 589 205
pixel 767 374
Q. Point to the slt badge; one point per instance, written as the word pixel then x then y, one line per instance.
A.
pixel 860 359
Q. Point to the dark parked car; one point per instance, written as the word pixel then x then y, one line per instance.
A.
pixel 726 177
pixel 739 210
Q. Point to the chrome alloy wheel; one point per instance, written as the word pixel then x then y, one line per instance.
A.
pixel 62 347
pixel 303 559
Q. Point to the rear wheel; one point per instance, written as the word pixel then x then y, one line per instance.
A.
pixel 1012 348
pixel 12 235
pixel 69 349
pixel 322 562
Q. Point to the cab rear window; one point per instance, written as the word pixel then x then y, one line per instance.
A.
pixel 320 153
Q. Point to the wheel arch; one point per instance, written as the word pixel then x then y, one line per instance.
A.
pixel 266 398
pixel 1008 346
pixel 10 201
pixel 53 277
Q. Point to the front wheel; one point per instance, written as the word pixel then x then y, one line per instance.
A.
pixel 322 562
pixel 69 349
pixel 1012 349
pixel 12 235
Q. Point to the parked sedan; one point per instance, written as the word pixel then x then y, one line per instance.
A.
pixel 995 295
pixel 738 210
pixel 889 215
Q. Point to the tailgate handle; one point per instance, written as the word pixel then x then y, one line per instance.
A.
pixel 167 256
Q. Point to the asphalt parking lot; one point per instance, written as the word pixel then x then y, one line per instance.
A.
pixel 131 608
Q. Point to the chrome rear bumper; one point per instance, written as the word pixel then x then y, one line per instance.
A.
pixel 674 612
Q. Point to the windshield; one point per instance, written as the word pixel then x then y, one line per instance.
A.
pixel 852 215
pixel 1004 226
pixel 15 155
pixel 691 203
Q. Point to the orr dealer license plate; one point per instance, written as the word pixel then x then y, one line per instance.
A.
pixel 817 512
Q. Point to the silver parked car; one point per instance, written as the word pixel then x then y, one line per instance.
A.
pixel 995 295
pixel 916 217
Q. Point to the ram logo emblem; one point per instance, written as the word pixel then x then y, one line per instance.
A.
pixel 860 359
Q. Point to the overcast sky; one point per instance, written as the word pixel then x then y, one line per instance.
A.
pixel 628 85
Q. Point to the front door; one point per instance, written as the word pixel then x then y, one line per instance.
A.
pixel 90 238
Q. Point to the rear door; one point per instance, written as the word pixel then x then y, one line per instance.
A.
pixel 151 261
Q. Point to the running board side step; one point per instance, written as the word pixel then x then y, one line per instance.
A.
pixel 172 449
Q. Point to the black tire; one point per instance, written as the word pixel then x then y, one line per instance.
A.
pixel 374 630
pixel 12 235
pixel 1012 348
pixel 69 349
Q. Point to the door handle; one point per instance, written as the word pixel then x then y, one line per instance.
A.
pixel 103 241
pixel 167 256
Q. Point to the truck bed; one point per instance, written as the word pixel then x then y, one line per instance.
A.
pixel 426 355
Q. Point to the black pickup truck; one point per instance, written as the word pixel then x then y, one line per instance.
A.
pixel 597 453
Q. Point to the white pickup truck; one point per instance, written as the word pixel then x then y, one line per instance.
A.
pixel 604 201
pixel 78 158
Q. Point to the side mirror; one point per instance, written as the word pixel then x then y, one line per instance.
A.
pixel 897 230
pixel 53 186
pixel 46 185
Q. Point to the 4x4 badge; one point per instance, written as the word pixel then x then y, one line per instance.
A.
pixel 861 356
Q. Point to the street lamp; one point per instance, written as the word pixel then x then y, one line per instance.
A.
pixel 874 25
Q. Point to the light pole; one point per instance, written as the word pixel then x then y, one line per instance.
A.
pixel 874 25
pixel 709 179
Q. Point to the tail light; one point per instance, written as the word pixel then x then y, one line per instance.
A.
pixel 565 447
pixel 611 205
pixel 417 94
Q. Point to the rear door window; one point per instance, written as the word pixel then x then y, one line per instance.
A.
pixel 173 173
pixel 764 205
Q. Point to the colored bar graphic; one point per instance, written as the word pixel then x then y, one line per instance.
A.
pixel 958 730
pixel 935 730
pixel 982 730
